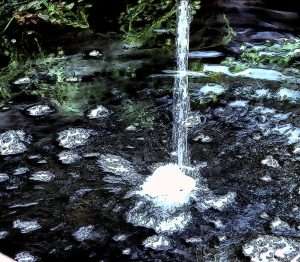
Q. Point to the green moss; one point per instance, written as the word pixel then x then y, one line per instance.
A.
pixel 138 113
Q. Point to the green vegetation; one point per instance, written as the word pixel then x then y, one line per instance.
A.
pixel 138 113
pixel 21 23
pixel 141 21
pixel 273 55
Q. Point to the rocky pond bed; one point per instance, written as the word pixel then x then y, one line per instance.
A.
pixel 72 156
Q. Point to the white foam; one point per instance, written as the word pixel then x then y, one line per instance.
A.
pixel 168 187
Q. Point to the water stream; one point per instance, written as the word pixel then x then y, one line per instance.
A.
pixel 181 104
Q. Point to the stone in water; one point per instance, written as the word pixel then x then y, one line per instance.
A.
pixel 74 137
pixel 84 233
pixel 25 257
pixel 99 112
pixel 13 142
pixel 39 110
pixel 26 226
pixel 42 176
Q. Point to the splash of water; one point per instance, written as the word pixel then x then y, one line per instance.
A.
pixel 181 104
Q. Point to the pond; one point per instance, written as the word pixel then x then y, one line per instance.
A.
pixel 71 164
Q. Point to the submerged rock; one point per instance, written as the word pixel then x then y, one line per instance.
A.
pixel 39 110
pixel 25 257
pixel 205 54
pixel 239 103
pixel 84 233
pixel 14 142
pixel 270 161
pixel 21 171
pixel 3 234
pixel 99 112
pixel 42 176
pixel 271 248
pixel 120 172
pixel 288 94
pixel 126 251
pixel 22 81
pixel 158 243
pixel 213 89
pixel 95 53
pixel 120 237
pixel 219 203
pixel 74 137
pixel 145 215
pixel 69 157
pixel 3 177
pixel 26 226
pixel 80 193
pixel 131 128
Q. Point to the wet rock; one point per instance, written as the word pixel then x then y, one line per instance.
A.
pixel 194 240
pixel 69 157
pixel 95 53
pixel 158 243
pixel 279 225
pixel 266 178
pixel 84 233
pixel 21 171
pixel 288 94
pixel 120 172
pixel 252 73
pixel 203 138
pixel 23 205
pixel 162 221
pixel 220 203
pixel 264 215
pixel 3 177
pixel 270 161
pixel 80 193
pixel 291 133
pixel 212 89
pixel 131 128
pixel 3 234
pixel 42 176
pixel 73 79
pixel 267 35
pixel 271 248
pixel 99 112
pixel 205 54
pixel 297 150
pixel 207 93
pixel 195 120
pixel 120 237
pixel 14 142
pixel 282 228
pixel 25 257
pixel 39 110
pixel 91 155
pixel 74 137
pixel 22 81
pixel 239 103
pixel 126 251
pixel 26 226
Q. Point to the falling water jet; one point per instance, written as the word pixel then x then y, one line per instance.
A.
pixel 169 185
pixel 181 104
pixel 169 190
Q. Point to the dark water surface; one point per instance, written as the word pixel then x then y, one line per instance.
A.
pixel 229 140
